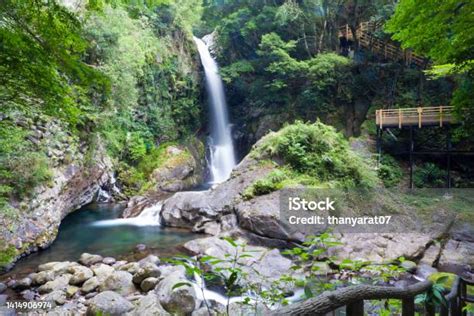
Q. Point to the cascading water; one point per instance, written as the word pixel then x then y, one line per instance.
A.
pixel 222 155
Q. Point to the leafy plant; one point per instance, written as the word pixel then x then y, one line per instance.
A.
pixel 434 296
pixel 429 175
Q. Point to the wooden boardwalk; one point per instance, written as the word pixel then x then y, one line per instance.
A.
pixel 421 116
pixel 386 48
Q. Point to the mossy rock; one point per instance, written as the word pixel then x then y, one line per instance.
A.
pixel 7 256
pixel 448 283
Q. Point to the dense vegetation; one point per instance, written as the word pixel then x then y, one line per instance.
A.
pixel 313 155
pixel 116 73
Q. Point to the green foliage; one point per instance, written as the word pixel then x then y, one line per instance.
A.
pixel 429 175
pixel 389 171
pixel 40 60
pixel 441 31
pixel 435 295
pixel 318 151
pixel 7 255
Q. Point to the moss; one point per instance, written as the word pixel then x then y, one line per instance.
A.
pixel 7 256
pixel 448 283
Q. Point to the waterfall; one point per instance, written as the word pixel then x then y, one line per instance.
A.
pixel 222 156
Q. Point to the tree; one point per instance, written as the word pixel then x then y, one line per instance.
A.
pixel 444 32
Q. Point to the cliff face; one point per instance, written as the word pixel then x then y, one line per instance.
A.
pixel 76 172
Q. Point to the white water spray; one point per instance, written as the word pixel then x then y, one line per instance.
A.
pixel 222 155
pixel 150 216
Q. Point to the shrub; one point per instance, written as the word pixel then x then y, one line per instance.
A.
pixel 389 171
pixel 429 175
pixel 318 151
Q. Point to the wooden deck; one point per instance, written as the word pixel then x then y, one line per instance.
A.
pixel 421 116
pixel 388 49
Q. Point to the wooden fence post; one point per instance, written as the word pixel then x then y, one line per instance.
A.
pixel 355 309
pixel 408 307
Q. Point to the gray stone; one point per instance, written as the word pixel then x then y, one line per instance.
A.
pixel 178 301
pixel 58 297
pixel 131 267
pixel 457 256
pixel 3 287
pixel 149 259
pixel 109 303
pixel 431 254
pixel 80 274
pixel 408 265
pixel 3 299
pixel 140 247
pixel 149 284
pixel 22 284
pixel 42 277
pixel 424 271
pixel 102 271
pixel 71 290
pixel 90 285
pixel 120 282
pixel 88 259
pixel 60 283
pixel 149 305
pixel 146 270
pixel 109 260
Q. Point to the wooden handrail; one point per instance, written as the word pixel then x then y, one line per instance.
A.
pixel 434 115
pixel 352 296
pixel 389 49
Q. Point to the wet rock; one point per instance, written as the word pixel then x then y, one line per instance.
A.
pixel 58 297
pixel 109 303
pixel 109 260
pixel 457 256
pixel 3 287
pixel 140 247
pixel 60 283
pixel 261 215
pixel 102 271
pixel 71 290
pixel 90 295
pixel 88 259
pixel 119 264
pixel 431 254
pixel 42 277
pixel 424 271
pixel 149 284
pixel 131 267
pixel 147 270
pixel 90 285
pixel 179 301
pixel 80 274
pixel 22 284
pixel 3 300
pixel 269 263
pixel 408 265
pixel 149 259
pixel 149 305
pixel 29 295
pixel 120 282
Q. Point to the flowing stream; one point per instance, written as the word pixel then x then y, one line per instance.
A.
pixel 222 154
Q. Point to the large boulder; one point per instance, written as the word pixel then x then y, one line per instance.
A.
pixel 59 283
pixel 180 300
pixel 108 303
pixel 269 263
pixel 88 259
pixel 120 282
pixel 457 256
pixel 149 305
pixel 147 270
pixel 80 274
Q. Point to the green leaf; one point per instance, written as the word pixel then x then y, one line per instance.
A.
pixel 180 284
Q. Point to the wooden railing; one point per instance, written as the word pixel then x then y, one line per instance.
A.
pixel 421 116
pixel 353 299
pixel 387 49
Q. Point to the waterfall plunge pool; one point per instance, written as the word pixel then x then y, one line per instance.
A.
pixel 98 229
